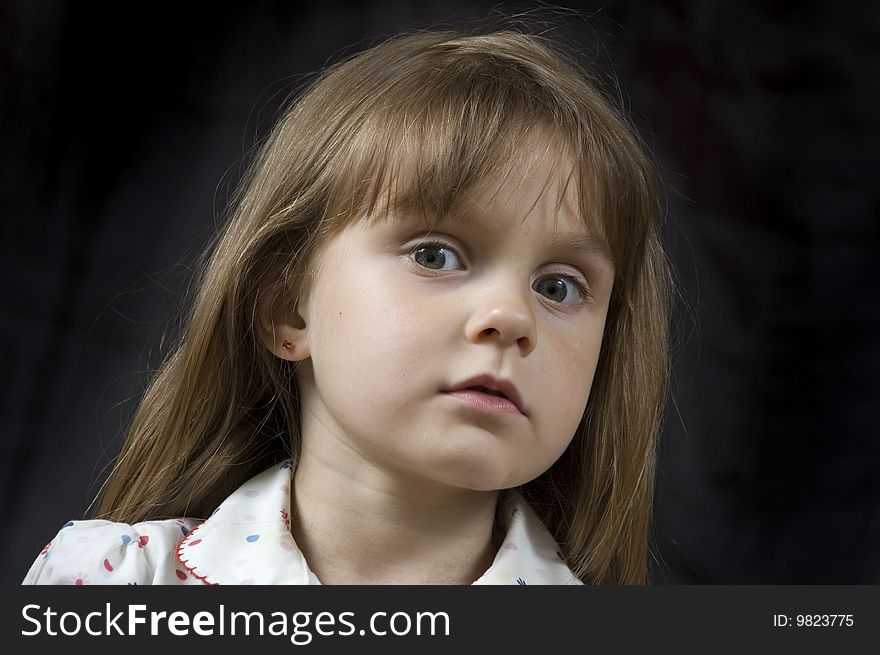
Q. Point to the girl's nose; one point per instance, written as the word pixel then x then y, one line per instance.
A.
pixel 504 317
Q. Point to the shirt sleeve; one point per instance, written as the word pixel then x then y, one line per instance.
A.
pixel 93 552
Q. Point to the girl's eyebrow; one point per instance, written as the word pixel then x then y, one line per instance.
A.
pixel 588 243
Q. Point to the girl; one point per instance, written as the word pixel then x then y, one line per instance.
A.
pixel 430 346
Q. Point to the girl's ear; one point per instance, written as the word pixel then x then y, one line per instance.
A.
pixel 283 332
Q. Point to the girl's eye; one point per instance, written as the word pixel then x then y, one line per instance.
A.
pixel 557 288
pixel 435 255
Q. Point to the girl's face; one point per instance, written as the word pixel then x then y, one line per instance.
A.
pixel 399 314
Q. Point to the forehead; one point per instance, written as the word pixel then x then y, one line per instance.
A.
pixel 538 191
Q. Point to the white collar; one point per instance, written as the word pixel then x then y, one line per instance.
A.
pixel 247 540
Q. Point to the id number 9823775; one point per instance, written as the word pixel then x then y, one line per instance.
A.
pixel 813 621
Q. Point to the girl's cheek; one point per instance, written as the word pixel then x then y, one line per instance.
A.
pixel 580 366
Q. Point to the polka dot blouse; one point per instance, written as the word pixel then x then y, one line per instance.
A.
pixel 247 540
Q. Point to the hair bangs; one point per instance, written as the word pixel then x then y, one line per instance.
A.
pixel 434 143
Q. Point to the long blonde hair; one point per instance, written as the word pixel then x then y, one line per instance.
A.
pixel 414 123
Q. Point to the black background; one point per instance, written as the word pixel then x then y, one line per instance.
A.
pixel 126 126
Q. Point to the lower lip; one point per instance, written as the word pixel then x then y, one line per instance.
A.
pixel 485 401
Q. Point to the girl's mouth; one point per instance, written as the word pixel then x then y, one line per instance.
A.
pixel 485 399
pixel 491 392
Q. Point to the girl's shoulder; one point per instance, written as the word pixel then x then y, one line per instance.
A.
pixel 105 552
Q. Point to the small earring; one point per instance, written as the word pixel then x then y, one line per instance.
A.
pixel 287 344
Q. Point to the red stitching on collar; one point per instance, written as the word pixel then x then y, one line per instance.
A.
pixel 202 578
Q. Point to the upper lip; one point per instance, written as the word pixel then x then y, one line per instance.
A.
pixel 506 387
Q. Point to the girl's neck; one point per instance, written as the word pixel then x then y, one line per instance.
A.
pixel 361 525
